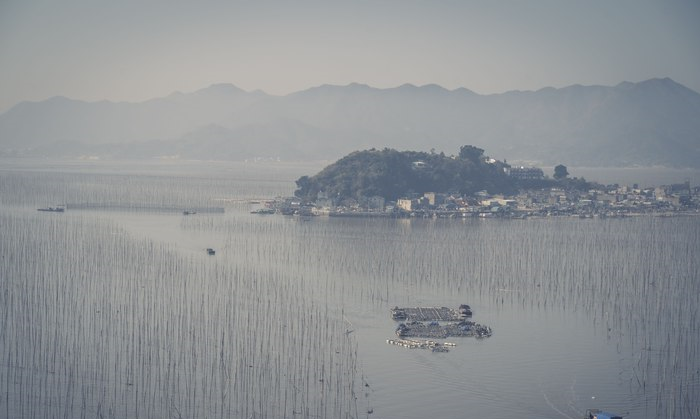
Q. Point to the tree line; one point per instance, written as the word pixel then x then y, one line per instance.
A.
pixel 393 174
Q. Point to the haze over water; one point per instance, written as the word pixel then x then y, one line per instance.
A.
pixel 121 313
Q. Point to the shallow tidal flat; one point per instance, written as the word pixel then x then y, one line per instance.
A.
pixel 107 313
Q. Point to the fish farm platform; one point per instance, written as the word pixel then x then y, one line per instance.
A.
pixel 426 314
pixel 435 323
pixel 435 330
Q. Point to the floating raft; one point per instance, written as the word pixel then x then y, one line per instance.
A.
pixel 422 344
pixel 435 323
pixel 435 330
pixel 426 314
pixel 52 209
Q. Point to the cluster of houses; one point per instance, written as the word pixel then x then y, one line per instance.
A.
pixel 608 202
pixel 611 201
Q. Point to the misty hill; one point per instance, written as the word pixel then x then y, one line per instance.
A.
pixel 654 122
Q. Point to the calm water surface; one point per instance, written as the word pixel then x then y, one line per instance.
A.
pixel 113 313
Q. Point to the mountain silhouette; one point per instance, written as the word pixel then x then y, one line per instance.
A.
pixel 653 122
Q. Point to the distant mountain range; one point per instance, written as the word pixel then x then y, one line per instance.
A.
pixel 654 122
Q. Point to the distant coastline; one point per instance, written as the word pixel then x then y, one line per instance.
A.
pixel 389 183
pixel 646 176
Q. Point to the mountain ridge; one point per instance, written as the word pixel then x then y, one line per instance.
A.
pixel 652 122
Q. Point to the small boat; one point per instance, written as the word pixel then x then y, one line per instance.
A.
pixel 188 212
pixel 465 310
pixel 52 209
pixel 210 251
pixel 599 414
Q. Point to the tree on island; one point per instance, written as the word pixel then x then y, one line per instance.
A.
pixel 471 153
pixel 562 179
pixel 560 172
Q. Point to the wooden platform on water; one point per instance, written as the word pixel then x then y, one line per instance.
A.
pixel 437 323
pixel 434 330
pixel 426 314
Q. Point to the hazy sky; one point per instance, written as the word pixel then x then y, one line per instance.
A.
pixel 135 50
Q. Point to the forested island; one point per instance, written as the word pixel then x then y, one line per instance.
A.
pixel 393 174
pixel 391 183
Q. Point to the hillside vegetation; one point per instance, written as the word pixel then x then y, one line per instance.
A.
pixel 392 174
